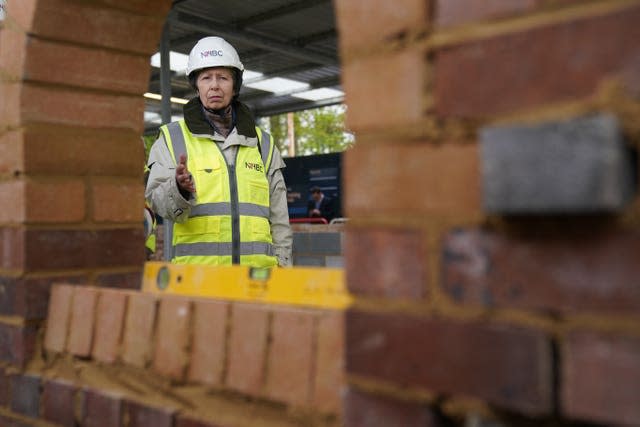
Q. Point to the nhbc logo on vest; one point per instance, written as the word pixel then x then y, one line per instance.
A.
pixel 2 6
pixel 206 53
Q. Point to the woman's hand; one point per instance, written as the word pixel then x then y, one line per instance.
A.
pixel 183 176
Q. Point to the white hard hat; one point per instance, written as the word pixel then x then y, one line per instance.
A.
pixel 213 52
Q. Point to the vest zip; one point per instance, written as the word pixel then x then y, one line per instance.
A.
pixel 235 214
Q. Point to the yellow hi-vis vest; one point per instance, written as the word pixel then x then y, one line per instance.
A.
pixel 230 222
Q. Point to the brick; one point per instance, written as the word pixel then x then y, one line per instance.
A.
pixel 171 357
pixel 362 409
pixel 292 356
pixel 58 318
pixel 89 24
pixel 82 321
pixel 57 149
pixel 329 370
pixel 444 190
pixel 247 348
pixel 118 201
pixel 28 297
pixel 404 108
pixel 110 314
pixel 75 108
pixel 576 272
pixel 124 280
pixel 564 61
pixel 83 248
pixel 12 251
pixel 59 201
pixel 601 378
pixel 101 409
pixel 11 145
pixel 141 415
pixel 187 421
pixel 364 24
pixel 86 67
pixel 10 94
pixel 25 395
pixel 58 402
pixel 12 52
pixel 17 343
pixel 581 165
pixel 209 342
pixel 386 263
pixel 5 388
pixel 457 12
pixel 139 327
pixel 504 365
pixel 145 7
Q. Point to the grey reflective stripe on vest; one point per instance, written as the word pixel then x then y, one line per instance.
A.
pixel 177 140
pixel 265 147
pixel 224 208
pixel 222 249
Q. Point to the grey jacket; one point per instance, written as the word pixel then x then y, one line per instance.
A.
pixel 162 189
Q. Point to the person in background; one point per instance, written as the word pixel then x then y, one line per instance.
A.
pixel 216 176
pixel 320 206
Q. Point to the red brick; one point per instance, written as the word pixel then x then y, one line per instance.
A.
pixel 247 348
pixel 12 251
pixel 139 327
pixel 364 24
pixel 144 7
pixel 81 324
pixel 86 67
pixel 575 272
pixel 12 52
pixel 58 402
pixel 25 395
pixel 118 201
pixel 503 365
pixel 444 190
pixel 564 61
pixel 18 343
pixel 187 421
pixel 84 248
pixel 171 356
pixel 110 313
pixel 371 105
pixel 58 319
pixel 46 104
pixel 601 378
pixel 120 280
pixel 5 388
pixel 101 409
pixel 457 12
pixel 141 415
pixel 368 410
pixel 88 24
pixel 52 201
pixel 73 150
pixel 209 342
pixel 329 371
pixel 10 94
pixel 386 263
pixel 292 356
pixel 12 147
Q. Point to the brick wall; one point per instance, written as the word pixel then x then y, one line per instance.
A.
pixel 463 312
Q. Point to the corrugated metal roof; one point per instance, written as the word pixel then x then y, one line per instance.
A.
pixel 278 38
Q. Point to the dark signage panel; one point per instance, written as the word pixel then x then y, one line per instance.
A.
pixel 302 173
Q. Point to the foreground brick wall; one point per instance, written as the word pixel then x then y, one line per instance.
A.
pixel 71 79
pixel 458 312
pixel 285 363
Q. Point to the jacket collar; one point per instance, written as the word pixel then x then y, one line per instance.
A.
pixel 198 125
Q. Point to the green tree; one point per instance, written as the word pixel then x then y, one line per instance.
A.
pixel 317 131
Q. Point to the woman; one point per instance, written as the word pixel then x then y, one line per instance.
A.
pixel 215 176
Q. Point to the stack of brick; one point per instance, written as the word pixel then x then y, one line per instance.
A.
pixel 318 245
pixel 462 310
pixel 271 354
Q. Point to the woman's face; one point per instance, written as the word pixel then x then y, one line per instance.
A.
pixel 215 87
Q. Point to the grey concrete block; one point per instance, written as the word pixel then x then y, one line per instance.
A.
pixel 309 261
pixel 576 166
pixel 317 243
pixel 335 261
